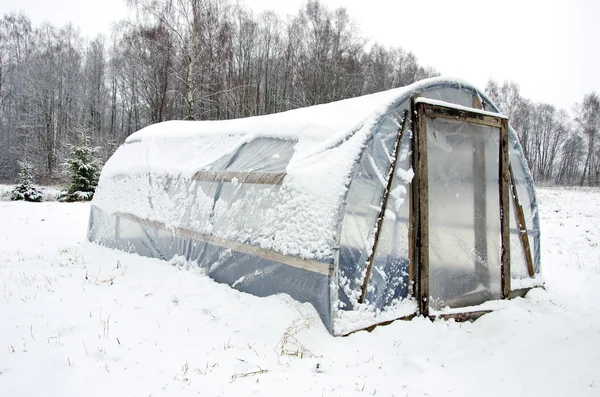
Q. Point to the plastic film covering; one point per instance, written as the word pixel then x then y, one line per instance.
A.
pixel 245 272
pixel 389 279
pixel 464 213
pixel 259 155
pixel 362 208
pixel 246 187
pixel 220 219
pixel 451 94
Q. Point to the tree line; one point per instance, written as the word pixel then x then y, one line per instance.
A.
pixel 178 59
pixel 215 60
pixel 559 149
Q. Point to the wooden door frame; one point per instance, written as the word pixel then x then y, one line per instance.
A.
pixel 421 110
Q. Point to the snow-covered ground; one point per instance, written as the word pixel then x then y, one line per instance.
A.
pixel 80 320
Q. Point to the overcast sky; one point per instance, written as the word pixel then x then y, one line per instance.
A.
pixel 550 48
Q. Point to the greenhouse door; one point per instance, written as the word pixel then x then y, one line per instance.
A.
pixel 461 192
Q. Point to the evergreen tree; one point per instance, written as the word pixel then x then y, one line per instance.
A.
pixel 83 170
pixel 26 190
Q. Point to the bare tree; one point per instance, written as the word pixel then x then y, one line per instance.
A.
pixel 588 120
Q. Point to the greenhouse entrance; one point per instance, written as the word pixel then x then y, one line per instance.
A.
pixel 461 194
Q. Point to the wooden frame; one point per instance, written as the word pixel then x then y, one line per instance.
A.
pixel 422 110
pixel 261 178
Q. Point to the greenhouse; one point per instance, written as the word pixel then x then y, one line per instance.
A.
pixel 412 201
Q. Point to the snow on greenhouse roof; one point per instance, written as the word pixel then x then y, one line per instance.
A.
pixel 303 220
pixel 184 147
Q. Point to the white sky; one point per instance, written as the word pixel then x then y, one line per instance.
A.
pixel 550 48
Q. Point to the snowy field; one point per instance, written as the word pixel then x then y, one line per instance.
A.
pixel 81 320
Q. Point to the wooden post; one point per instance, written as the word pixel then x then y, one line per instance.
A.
pixel 414 208
pixel 422 235
pixel 520 218
pixel 504 210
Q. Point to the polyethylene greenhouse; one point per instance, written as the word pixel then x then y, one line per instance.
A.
pixel 401 203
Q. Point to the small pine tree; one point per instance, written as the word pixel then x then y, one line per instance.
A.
pixel 26 190
pixel 83 170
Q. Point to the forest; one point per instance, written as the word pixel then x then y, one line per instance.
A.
pixel 215 60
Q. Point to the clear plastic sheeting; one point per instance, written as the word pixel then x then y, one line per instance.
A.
pixel 248 273
pixel 362 208
pixel 464 213
pixel 451 94
pixel 389 279
pixel 258 155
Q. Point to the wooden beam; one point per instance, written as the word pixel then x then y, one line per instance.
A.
pixel 293 261
pixel 261 178
pixel 412 282
pixel 462 317
pixel 422 237
pixel 370 328
pixel 503 175
pixel 521 224
pixel 413 259
pixel 463 115
pixel 458 317
pixel 386 193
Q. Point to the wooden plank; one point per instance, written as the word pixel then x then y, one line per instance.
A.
pixel 423 204
pixel 390 179
pixel 414 208
pixel 458 317
pixel 462 317
pixel 504 210
pixel 370 328
pixel 293 261
pixel 522 225
pixel 463 115
pixel 261 178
